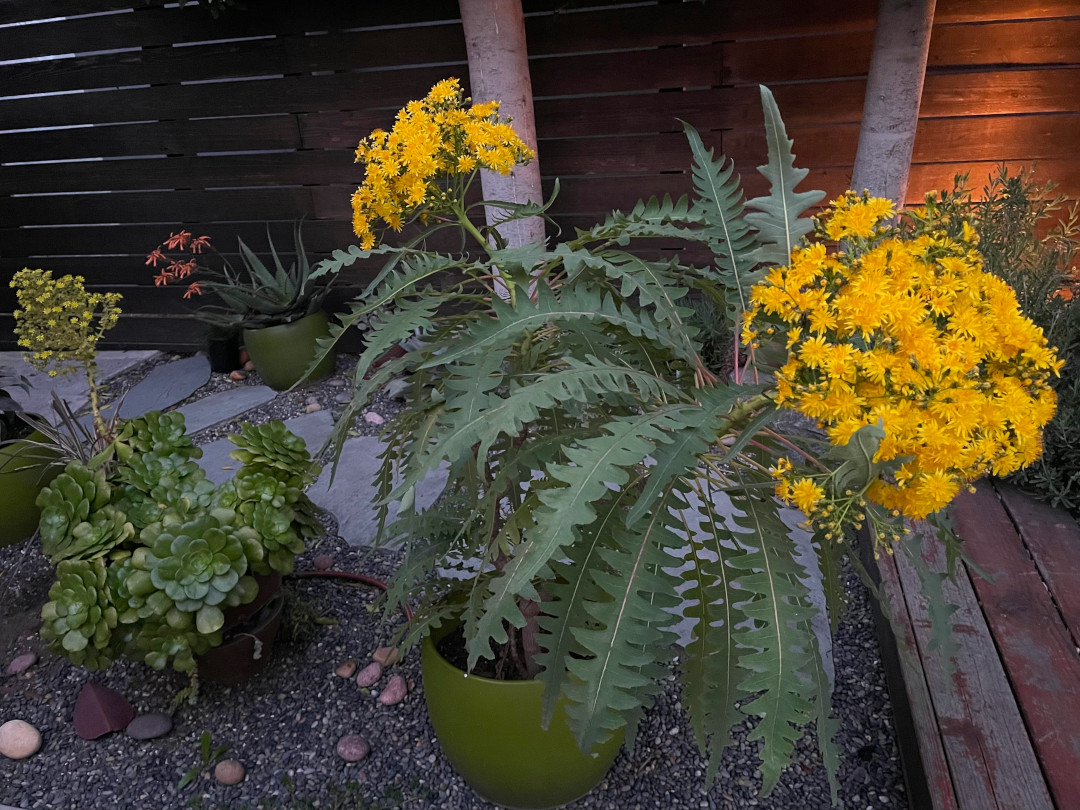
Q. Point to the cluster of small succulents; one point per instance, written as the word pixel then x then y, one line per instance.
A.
pixel 150 554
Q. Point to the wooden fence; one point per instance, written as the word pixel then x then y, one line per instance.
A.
pixel 121 120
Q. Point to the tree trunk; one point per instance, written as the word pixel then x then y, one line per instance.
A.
pixel 499 70
pixel 893 92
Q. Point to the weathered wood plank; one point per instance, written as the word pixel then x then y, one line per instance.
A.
pixel 1039 655
pixel 932 767
pixel 1053 539
pixel 990 757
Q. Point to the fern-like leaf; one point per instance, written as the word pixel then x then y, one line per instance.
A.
pixel 778 215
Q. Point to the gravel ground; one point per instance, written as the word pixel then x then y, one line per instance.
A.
pixel 284 724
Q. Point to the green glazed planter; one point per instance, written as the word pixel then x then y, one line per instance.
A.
pixel 281 354
pixel 490 731
pixel 20 483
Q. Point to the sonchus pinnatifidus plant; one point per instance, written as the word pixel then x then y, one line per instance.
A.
pixel 599 474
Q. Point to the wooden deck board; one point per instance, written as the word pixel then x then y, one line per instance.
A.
pixel 991 760
pixel 1034 645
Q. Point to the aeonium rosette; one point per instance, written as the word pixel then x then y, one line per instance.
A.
pixel 899 326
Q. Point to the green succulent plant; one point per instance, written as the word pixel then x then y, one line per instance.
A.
pixel 66 508
pixel 199 564
pixel 160 643
pixel 79 617
pixel 160 433
pixel 278 536
pixel 273 445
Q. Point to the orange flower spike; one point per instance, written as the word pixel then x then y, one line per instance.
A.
pixel 193 289
pixel 155 256
pixel 162 278
pixel 178 241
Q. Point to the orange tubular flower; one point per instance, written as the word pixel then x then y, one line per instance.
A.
pixel 155 256
pixel 193 289
pixel 198 243
pixel 178 241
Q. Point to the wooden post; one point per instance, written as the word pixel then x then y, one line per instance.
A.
pixel 893 92
pixel 499 69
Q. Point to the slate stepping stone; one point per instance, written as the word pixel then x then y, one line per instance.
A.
pixel 149 726
pixel 99 710
pixel 224 406
pixel 166 385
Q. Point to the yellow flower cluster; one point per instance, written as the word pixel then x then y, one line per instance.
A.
pixel 906 328
pixel 58 323
pixel 433 140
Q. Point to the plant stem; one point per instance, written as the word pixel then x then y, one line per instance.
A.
pixel 95 402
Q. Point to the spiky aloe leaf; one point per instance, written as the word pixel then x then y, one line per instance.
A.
pixel 778 216
pixel 628 648
pixel 778 657
pixel 719 203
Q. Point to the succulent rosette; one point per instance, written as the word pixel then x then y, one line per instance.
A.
pixel 66 503
pixel 160 433
pixel 199 564
pixel 275 446
pixel 179 643
pixel 278 536
pixel 79 617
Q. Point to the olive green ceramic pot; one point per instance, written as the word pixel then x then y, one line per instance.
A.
pixel 281 354
pixel 22 477
pixel 490 731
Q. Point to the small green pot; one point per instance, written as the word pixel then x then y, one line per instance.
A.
pixel 281 354
pixel 490 731
pixel 21 479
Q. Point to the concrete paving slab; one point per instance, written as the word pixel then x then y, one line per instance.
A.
pixel 224 406
pixel 313 428
pixel 350 495
pixel 71 387
pixel 166 385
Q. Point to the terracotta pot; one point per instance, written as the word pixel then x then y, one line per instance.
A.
pixel 235 660
pixel 490 731
pixel 21 479
pixel 281 354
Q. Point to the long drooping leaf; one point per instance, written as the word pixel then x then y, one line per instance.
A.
pixel 710 672
pixel 596 465
pixel 778 645
pixel 778 216
pixel 629 649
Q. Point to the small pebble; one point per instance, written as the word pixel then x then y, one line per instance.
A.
pixel 346 670
pixel 311 400
pixel 373 418
pixel 394 692
pixel 337 382
pixel 249 366
pixel 313 407
pixel 353 748
pixel 149 726
pixel 229 772
pixel 344 398
pixel 19 739
pixel 369 675
pixel 21 664
pixel 387 656
pixel 323 562
pixel 237 376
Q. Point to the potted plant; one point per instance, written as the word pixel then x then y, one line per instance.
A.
pixel 590 449
pixel 150 556
pixel 23 469
pixel 278 312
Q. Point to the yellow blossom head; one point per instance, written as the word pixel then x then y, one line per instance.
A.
pixel 423 165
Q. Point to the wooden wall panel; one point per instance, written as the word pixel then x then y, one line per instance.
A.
pixel 137 117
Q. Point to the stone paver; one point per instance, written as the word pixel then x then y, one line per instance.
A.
pixel 223 406
pixel 71 387
pixel 166 385
pixel 349 497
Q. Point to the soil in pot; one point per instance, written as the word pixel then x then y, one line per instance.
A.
pixel 491 733
pixel 246 648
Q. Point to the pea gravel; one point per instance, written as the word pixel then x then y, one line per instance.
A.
pixel 284 725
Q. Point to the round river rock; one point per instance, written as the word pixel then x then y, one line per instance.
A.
pixel 353 748
pixel 19 739
pixel 229 772
pixel 21 664
pixel 149 726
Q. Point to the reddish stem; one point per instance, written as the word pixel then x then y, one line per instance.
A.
pixel 366 580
